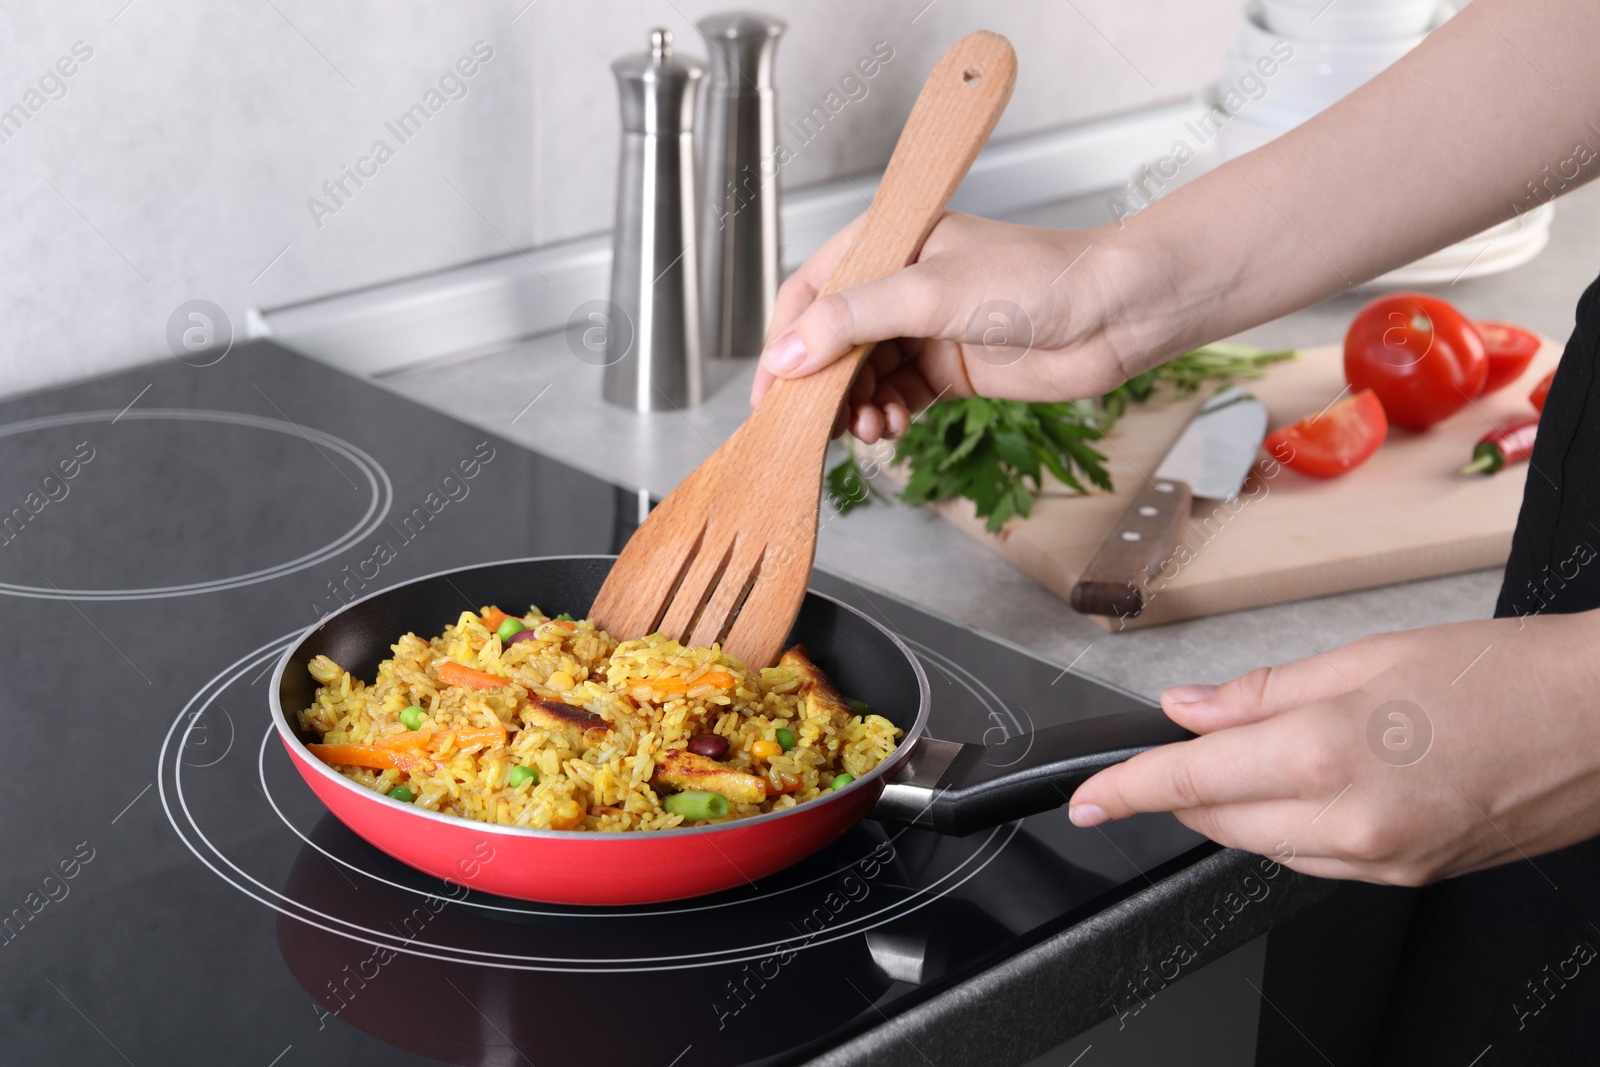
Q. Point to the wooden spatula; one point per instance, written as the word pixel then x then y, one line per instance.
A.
pixel 727 555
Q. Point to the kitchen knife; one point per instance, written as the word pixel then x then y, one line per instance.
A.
pixel 1210 459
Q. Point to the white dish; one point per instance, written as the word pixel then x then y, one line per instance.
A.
pixel 1487 246
pixel 1349 20
pixel 1495 260
pixel 1316 73
pixel 1257 37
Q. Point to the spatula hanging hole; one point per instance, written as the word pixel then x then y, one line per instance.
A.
pixel 971 76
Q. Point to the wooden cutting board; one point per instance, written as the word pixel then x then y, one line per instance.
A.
pixel 1403 515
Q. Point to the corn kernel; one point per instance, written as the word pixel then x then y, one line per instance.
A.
pixel 765 749
pixel 560 681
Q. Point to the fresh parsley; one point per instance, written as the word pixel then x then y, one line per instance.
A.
pixel 849 487
pixel 1220 362
pixel 995 452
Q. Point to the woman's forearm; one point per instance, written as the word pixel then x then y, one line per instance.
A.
pixel 1494 113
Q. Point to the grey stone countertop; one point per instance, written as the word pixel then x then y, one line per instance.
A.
pixel 537 392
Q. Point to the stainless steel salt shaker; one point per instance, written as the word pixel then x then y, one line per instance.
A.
pixel 654 359
pixel 739 229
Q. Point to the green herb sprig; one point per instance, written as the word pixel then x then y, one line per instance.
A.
pixel 1219 362
pixel 995 452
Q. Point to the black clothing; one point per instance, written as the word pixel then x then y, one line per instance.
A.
pixel 1508 960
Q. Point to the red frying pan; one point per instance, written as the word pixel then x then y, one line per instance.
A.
pixel 948 787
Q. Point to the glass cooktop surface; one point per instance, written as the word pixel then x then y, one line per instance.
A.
pixel 173 893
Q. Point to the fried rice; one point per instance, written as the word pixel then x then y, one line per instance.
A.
pixel 603 726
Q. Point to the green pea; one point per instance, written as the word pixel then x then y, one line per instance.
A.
pixel 509 628
pixel 696 805
pixel 402 794
pixel 520 774
pixel 563 617
pixel 860 707
pixel 412 717
pixel 842 780
pixel 784 738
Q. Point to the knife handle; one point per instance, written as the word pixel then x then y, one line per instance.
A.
pixel 1117 580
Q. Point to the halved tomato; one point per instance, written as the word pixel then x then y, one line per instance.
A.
pixel 1541 391
pixel 1510 349
pixel 1332 442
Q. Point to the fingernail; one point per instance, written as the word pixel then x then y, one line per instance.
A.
pixel 1188 694
pixel 1086 815
pixel 785 354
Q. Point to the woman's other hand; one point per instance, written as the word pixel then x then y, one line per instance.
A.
pixel 1400 758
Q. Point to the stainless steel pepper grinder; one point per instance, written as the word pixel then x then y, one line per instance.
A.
pixel 739 230
pixel 654 358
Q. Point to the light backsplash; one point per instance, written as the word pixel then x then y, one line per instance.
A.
pixel 269 152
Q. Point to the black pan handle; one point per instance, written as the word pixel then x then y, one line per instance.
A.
pixel 958 789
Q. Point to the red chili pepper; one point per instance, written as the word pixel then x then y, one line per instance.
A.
pixel 1540 391
pixel 1511 443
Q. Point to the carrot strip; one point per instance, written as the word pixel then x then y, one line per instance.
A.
pixel 379 759
pixel 781 783
pixel 452 673
pixel 568 817
pixel 422 740
pixel 463 738
pixel 719 679
pixel 493 618
pixel 409 740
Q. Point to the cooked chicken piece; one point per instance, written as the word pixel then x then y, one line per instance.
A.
pixel 580 728
pixel 815 686
pixel 681 769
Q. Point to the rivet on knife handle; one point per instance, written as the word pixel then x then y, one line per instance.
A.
pixel 1116 582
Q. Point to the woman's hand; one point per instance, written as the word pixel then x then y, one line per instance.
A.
pixel 1400 758
pixel 988 309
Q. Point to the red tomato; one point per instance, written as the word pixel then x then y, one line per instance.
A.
pixel 1420 355
pixel 1540 391
pixel 1332 442
pixel 1509 350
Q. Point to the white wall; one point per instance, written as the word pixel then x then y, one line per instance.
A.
pixel 177 161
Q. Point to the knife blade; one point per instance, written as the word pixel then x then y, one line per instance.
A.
pixel 1210 459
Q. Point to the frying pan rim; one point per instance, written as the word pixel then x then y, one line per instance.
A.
pixel 288 735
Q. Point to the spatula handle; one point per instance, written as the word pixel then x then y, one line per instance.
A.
pixel 952 118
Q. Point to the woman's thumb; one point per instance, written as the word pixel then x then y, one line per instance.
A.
pixel 908 303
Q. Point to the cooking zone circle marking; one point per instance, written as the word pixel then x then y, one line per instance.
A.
pixel 984 849
pixel 377 480
pixel 716 957
pixel 994 707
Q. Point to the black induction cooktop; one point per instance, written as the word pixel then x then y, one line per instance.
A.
pixel 171 892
